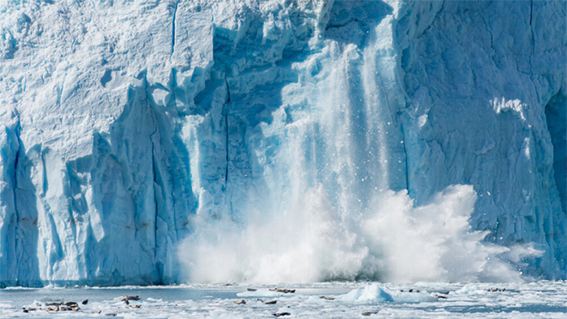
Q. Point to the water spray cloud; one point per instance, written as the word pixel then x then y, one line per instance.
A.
pixel 391 241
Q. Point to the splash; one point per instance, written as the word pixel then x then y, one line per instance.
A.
pixel 305 244
pixel 394 242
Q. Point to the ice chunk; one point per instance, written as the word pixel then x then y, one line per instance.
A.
pixel 378 294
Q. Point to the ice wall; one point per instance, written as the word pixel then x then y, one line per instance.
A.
pixel 122 122
pixel 484 82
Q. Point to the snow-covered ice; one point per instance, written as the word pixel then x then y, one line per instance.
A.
pixel 542 299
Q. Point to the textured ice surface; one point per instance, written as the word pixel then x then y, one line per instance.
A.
pixel 542 299
pixel 122 121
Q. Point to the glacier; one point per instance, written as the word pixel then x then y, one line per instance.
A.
pixel 128 127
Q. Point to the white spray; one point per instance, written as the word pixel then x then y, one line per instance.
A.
pixel 395 243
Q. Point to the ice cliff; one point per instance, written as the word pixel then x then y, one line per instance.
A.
pixel 122 122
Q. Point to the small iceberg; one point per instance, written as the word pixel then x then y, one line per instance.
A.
pixel 376 294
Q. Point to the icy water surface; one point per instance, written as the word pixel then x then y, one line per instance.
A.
pixel 343 300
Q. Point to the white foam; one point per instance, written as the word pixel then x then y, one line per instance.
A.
pixel 394 242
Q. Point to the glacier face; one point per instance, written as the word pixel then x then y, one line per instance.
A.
pixel 123 122
pixel 503 54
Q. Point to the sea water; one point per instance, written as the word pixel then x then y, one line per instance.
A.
pixel 543 299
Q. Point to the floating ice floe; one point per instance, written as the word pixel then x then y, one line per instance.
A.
pixel 378 294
